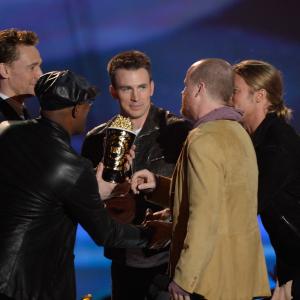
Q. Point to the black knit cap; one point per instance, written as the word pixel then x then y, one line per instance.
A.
pixel 60 89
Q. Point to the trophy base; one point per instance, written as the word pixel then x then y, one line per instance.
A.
pixel 113 176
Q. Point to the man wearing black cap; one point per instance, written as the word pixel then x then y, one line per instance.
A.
pixel 46 189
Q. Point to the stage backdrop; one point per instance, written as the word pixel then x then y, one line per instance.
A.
pixel 84 35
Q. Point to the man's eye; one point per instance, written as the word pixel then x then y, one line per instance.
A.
pixel 124 89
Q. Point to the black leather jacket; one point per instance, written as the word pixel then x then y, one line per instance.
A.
pixel 46 189
pixel 158 146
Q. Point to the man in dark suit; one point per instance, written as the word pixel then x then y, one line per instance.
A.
pixel 20 69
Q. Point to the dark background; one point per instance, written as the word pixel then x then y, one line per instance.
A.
pixel 84 35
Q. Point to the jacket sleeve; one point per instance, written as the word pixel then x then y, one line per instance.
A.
pixel 85 206
pixel 202 164
pixel 160 195
pixel 92 148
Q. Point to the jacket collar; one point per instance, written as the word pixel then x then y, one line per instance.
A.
pixel 261 131
pixel 10 113
pixel 152 122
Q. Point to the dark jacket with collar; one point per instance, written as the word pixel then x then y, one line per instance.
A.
pixel 45 190
pixel 277 147
pixel 158 146
pixel 7 113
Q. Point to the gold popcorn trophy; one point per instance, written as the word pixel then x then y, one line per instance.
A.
pixel 87 297
pixel 119 139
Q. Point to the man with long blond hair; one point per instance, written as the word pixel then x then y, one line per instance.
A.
pixel 259 94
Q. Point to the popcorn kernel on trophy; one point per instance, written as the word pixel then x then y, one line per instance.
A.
pixel 119 139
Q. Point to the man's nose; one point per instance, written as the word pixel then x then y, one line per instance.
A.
pixel 38 72
pixel 134 94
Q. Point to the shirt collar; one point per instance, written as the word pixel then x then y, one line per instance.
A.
pixel 3 96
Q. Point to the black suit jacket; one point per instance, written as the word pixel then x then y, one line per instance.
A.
pixel 7 113
pixel 277 147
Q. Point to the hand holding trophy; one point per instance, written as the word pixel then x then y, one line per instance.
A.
pixel 118 141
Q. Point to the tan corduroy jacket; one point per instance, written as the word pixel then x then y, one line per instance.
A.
pixel 216 248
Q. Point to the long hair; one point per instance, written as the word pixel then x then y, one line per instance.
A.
pixel 262 75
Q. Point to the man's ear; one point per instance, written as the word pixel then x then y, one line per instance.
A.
pixel 3 71
pixel 200 86
pixel 152 86
pixel 260 95
pixel 113 92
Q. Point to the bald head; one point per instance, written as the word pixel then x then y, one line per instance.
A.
pixel 217 75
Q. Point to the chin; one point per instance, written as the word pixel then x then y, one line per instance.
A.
pixel 184 113
pixel 135 114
